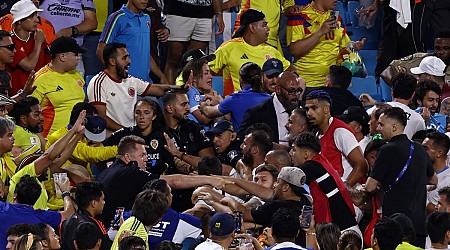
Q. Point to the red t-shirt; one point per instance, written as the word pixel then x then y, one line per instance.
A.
pixel 23 50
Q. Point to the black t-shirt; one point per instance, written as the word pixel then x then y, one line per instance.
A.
pixel 121 185
pixel 341 100
pixel 341 214
pixel 263 214
pixel 159 159
pixel 5 83
pixel 232 154
pixel 5 6
pixel 408 195
pixel 189 8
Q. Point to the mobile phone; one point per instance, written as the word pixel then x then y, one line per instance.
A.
pixel 334 14
pixel 307 213
pixel 119 214
pixel 238 221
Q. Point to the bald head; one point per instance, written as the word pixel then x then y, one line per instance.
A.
pixel 289 90
pixel 279 158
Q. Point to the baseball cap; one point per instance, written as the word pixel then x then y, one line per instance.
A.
pixel 220 127
pixel 195 54
pixel 95 128
pixel 431 65
pixel 250 16
pixel 23 9
pixel 319 94
pixel 222 224
pixel 272 66
pixel 357 114
pixel 293 175
pixel 5 100
pixel 65 44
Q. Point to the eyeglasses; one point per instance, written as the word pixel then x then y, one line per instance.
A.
pixel 293 91
pixel 10 47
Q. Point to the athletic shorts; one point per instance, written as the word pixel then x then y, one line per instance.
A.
pixel 183 29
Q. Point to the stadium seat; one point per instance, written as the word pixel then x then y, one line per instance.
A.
pixel 356 32
pixel 369 58
pixel 364 85
pixel 87 79
pixel 342 11
pixel 217 84
pixel 385 91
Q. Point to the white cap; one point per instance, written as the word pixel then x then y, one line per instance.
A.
pixel 431 65
pixel 23 9
pixel 293 175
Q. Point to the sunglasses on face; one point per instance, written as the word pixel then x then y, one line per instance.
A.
pixel 9 47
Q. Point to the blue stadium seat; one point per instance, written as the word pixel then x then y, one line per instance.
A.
pixel 369 58
pixel 365 85
pixel 87 79
pixel 217 84
pixel 385 91
pixel 342 11
pixel 356 32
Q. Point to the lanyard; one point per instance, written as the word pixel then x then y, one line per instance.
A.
pixel 411 150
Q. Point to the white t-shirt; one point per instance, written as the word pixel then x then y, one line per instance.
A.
pixel 443 181
pixel 282 119
pixel 209 245
pixel 119 97
pixel 363 143
pixel 415 122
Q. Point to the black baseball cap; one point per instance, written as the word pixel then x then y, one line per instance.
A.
pixel 357 114
pixel 272 66
pixel 249 16
pixel 220 127
pixel 66 44
pixel 195 54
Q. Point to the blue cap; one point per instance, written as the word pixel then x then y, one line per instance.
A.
pixel 272 66
pixel 95 128
pixel 222 224
pixel 220 127
pixel 319 94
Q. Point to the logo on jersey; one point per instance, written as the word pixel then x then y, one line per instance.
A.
pixel 65 1
pixel 131 91
pixel 33 140
pixel 267 56
pixel 232 154
pixel 197 98
pixel 154 144
pixel 59 88
pixel 149 24
pixel 244 56
pixel 80 83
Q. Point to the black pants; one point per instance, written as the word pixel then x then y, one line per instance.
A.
pixel 397 42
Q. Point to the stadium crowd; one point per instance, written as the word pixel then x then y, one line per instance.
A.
pixel 118 131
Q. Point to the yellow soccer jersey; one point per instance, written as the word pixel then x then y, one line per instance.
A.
pixel 315 65
pixel 25 139
pixel 231 55
pixel 272 10
pixel 134 225
pixel 57 94
pixel 8 168
pixel 30 170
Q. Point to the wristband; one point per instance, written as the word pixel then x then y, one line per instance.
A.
pixel 182 155
pixel 65 193
pixel 310 234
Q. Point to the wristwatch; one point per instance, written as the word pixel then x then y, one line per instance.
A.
pixel 75 31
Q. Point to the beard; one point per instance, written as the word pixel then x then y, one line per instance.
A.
pixel 121 72
pixel 36 129
pixel 247 159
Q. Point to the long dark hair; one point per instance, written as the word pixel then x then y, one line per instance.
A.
pixel 159 123
pixel 251 74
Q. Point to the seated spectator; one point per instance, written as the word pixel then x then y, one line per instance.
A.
pixel 437 146
pixel 339 144
pixel 297 124
pixel 275 111
pixel 59 86
pixel 132 243
pixel 27 115
pixel 148 209
pixel 247 46
pixel 31 52
pixel 150 125
pixel 49 239
pixel 337 82
pixel 43 24
pixel 315 38
pixel 90 202
pixel 444 200
pixel 26 194
pixel 441 43
pixel 387 235
pixel 403 89
pixel 87 237
pixel 28 241
pixel 174 227
pixel 358 120
pixel 331 199
pixel 236 104
pixel 114 92
pixel 271 69
pixel 438 228
pixel 15 231
pixel 407 229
